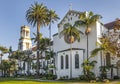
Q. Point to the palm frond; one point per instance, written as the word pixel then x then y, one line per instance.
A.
pixel 79 23
pixel 95 51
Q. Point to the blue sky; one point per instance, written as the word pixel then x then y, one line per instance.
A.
pixel 12 15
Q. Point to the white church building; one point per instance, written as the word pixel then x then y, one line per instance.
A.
pixel 69 57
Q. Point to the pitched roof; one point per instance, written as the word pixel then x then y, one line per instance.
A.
pixel 69 12
pixel 110 25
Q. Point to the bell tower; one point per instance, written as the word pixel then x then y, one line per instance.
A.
pixel 25 40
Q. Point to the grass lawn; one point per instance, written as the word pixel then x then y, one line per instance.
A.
pixel 17 81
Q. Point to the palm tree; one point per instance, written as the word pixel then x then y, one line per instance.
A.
pixel 28 59
pixel 87 67
pixel 35 37
pixel 111 67
pixel 44 43
pixel 34 66
pixel 87 19
pixel 105 46
pixel 103 70
pixel 37 16
pixel 71 33
pixel 52 18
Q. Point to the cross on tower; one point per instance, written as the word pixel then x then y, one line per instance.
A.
pixel 70 6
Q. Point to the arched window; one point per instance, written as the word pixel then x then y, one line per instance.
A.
pixel 108 62
pixel 76 60
pixel 62 64
pixel 67 62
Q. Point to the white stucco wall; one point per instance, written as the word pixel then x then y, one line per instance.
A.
pixel 60 44
pixel 66 72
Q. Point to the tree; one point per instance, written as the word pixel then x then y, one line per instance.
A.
pixel 111 67
pixel 3 50
pixel 35 37
pixel 37 16
pixel 87 19
pixel 6 67
pixel 87 67
pixel 105 46
pixel 53 17
pixel 28 59
pixel 71 33
pixel 44 43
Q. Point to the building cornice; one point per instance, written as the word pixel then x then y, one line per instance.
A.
pixel 25 38
pixel 71 49
pixel 55 34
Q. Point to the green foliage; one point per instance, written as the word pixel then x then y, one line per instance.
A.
pixel 71 30
pixel 37 13
pixel 3 49
pixel 87 18
pixel 87 67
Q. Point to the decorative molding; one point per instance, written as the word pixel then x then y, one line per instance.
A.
pixel 70 49
pixel 69 12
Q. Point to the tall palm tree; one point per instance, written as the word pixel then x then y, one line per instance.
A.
pixel 87 19
pixel 36 15
pixel 44 43
pixel 71 33
pixel 35 37
pixel 53 17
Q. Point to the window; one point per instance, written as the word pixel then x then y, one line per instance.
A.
pixel 27 33
pixel 43 64
pixel 67 62
pixel 76 61
pixel 108 59
pixel 20 46
pixel 27 45
pixel 24 66
pixel 62 62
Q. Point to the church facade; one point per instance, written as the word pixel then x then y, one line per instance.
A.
pixel 69 57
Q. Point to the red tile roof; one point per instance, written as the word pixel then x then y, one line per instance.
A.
pixel 110 25
pixel 34 48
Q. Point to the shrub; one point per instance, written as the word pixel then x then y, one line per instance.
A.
pixel 93 81
pixel 116 77
pixel 106 81
pixel 82 77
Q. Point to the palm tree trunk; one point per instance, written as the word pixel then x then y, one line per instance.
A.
pixel 50 40
pixel 111 72
pixel 87 46
pixel 2 65
pixel 20 67
pixel 70 61
pixel 38 44
pixel 101 57
pixel 28 66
